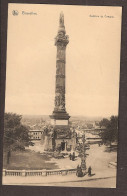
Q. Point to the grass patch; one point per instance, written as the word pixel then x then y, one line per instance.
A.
pixel 28 160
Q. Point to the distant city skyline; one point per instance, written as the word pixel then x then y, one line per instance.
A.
pixel 92 59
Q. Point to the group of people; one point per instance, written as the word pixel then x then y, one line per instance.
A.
pixel 72 156
pixel 80 173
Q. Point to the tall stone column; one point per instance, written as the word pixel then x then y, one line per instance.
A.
pixel 61 42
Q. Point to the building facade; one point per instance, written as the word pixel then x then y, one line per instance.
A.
pixel 35 134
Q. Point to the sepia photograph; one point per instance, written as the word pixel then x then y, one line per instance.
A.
pixel 62 95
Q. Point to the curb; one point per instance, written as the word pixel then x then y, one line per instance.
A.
pixel 61 181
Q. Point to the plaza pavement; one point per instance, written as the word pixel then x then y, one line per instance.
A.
pixel 98 159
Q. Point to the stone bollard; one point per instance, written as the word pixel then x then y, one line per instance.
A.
pixel 24 173
pixel 4 172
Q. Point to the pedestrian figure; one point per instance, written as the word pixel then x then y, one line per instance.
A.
pixel 89 171
pixel 70 156
pixel 79 172
pixel 73 156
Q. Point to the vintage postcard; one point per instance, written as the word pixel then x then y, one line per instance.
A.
pixel 62 95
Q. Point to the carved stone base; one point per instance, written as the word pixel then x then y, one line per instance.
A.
pixel 62 131
pixel 63 115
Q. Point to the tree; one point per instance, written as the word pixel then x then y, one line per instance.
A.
pixel 110 133
pixel 16 135
pixel 104 122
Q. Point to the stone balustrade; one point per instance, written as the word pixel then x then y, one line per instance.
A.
pixel 26 173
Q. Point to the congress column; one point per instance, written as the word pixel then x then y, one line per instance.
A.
pixel 59 115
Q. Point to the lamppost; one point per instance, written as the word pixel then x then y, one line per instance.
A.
pixel 83 156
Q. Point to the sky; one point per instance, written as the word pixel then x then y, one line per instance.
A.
pixel 92 59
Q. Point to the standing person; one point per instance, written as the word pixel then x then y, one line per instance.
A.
pixel 73 156
pixel 70 156
pixel 79 172
pixel 89 171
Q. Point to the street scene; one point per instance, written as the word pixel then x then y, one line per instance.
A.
pixel 101 158
pixel 62 94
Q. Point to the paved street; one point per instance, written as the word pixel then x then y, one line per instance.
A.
pixel 97 158
pixel 98 183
